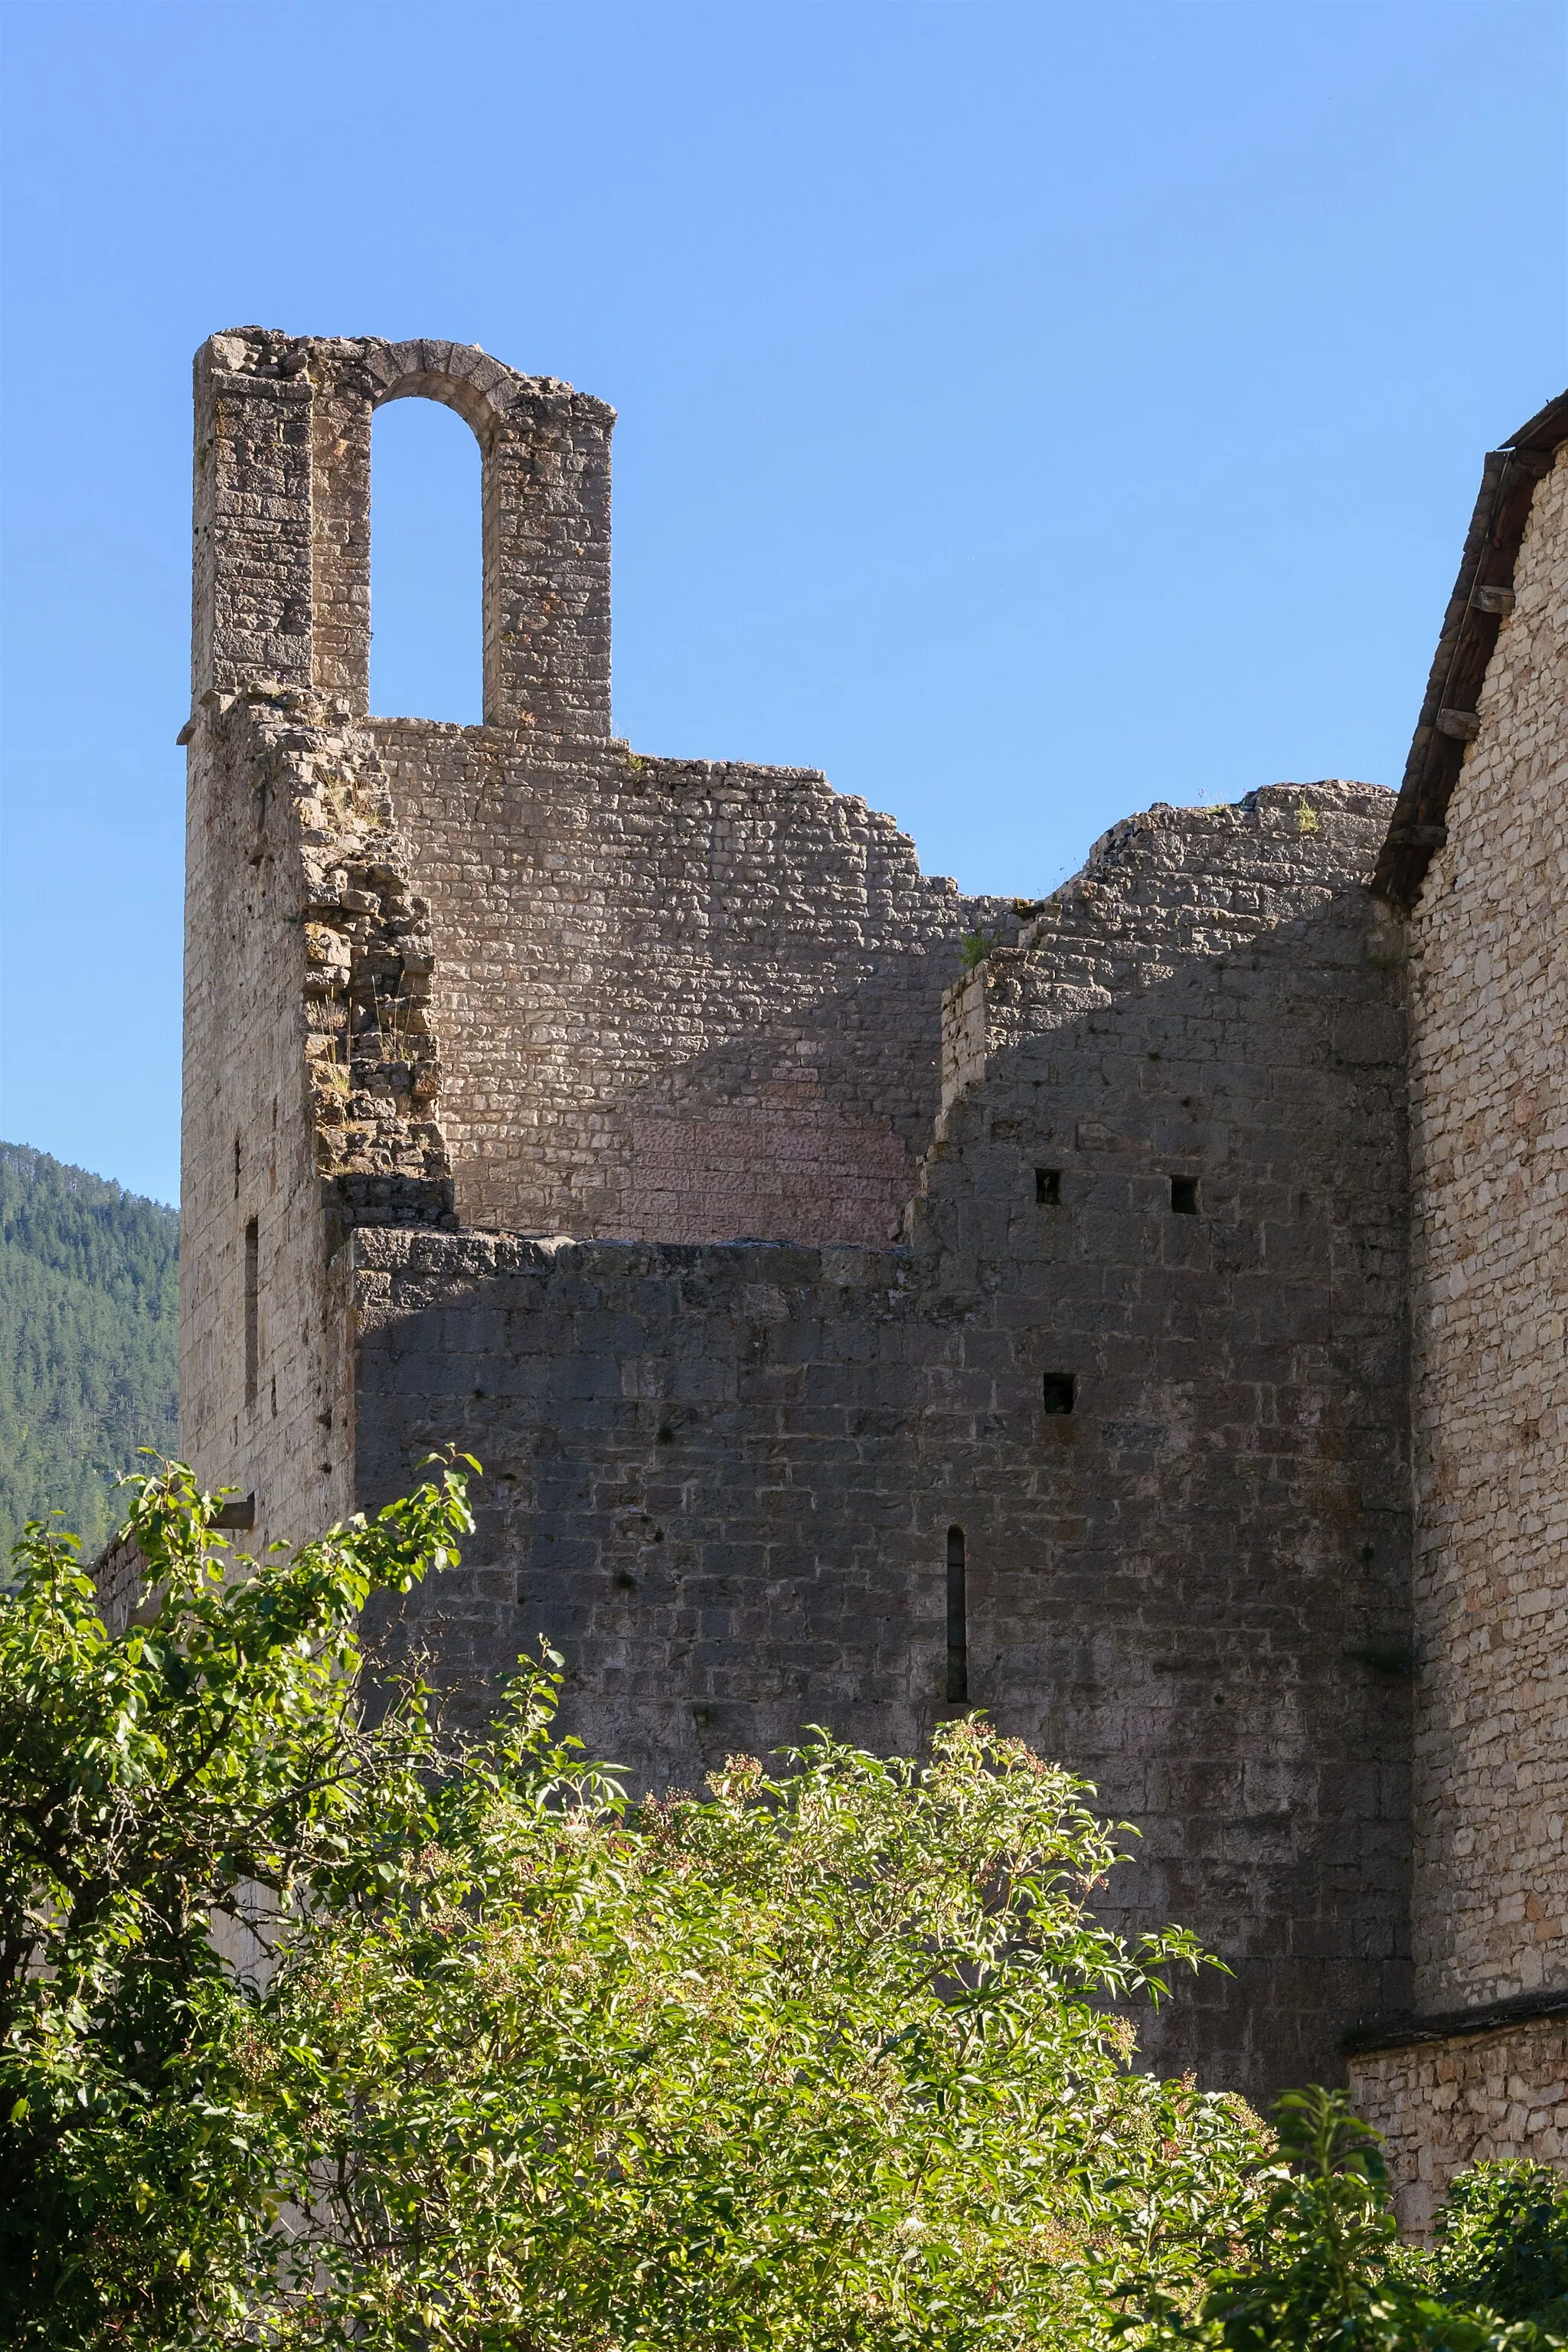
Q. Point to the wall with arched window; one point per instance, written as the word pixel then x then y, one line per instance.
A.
pixel 282 560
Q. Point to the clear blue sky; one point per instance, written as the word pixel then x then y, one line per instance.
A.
pixel 1027 412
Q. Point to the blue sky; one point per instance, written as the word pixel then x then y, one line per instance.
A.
pixel 1027 412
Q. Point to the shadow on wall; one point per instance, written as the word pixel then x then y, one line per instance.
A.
pixel 723 1478
pixel 760 1135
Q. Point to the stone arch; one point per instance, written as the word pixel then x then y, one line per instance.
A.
pixel 480 390
pixel 459 375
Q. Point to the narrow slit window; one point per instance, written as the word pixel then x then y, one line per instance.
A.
pixel 1059 1392
pixel 957 1621
pixel 252 1307
pixel 1184 1196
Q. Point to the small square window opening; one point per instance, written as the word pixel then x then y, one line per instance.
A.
pixel 1048 1187
pixel 1061 1390
pixel 1184 1196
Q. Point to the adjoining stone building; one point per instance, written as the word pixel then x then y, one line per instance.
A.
pixel 1478 861
pixel 1153 1336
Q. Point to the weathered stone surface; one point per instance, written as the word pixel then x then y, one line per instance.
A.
pixel 722 1478
pixel 631 1123
pixel 676 1001
pixel 1489 1007
pixel 1468 2100
pixel 1490 1132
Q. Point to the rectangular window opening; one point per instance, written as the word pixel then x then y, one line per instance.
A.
pixel 957 1623
pixel 1184 1196
pixel 1048 1187
pixel 252 1307
pixel 1059 1392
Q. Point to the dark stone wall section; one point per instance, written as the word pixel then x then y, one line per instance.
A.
pixel 720 1478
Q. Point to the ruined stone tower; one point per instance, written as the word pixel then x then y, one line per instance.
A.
pixel 847 1339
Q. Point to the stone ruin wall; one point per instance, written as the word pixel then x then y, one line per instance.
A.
pixel 310 1079
pixel 261 1352
pixel 722 1478
pixel 311 1074
pixel 1215 1001
pixel 614 994
pixel 515 973
pixel 1489 1131
pixel 677 1000
pixel 1490 1104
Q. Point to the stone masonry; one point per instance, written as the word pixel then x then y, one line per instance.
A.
pixel 1463 2098
pixel 1489 1130
pixel 633 1124
pixel 1489 1077
pixel 723 1478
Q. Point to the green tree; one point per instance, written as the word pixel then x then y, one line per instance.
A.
pixel 320 2027
pixel 87 1281
pixel 148 1785
pixel 824 2056
pixel 1502 2242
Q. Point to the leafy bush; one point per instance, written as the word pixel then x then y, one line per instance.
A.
pixel 1319 2264
pixel 146 1783
pixel 831 2058
pixel 823 2057
pixel 820 2059
pixel 1502 2243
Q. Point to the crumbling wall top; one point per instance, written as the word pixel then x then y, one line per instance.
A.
pixel 461 375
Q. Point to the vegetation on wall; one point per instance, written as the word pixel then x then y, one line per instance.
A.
pixel 484 2058
pixel 88 1356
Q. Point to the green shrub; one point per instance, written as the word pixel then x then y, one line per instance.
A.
pixel 975 945
pixel 828 2056
pixel 150 1783
pixel 831 2057
pixel 1502 2242
pixel 1319 2267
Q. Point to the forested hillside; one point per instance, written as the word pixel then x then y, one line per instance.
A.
pixel 86 1340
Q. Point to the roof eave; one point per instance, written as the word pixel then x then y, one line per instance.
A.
pixel 1475 614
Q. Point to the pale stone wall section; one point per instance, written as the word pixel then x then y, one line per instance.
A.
pixel 678 1000
pixel 1489 1138
pixel 248 1153
pixel 1442 2105
pixel 1160 890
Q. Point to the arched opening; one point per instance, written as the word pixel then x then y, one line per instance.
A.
pixel 425 565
